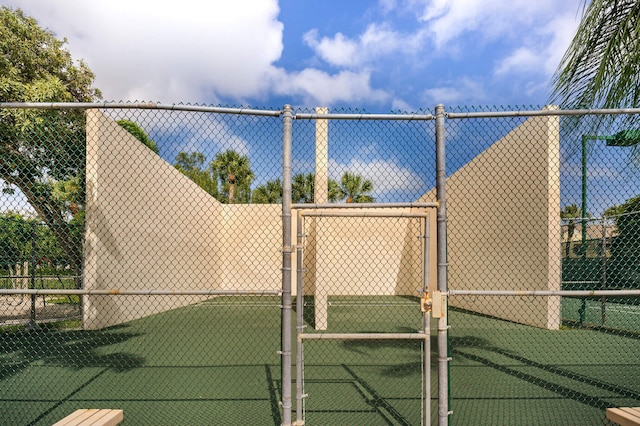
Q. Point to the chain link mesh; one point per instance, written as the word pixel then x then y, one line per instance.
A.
pixel 151 200
pixel 515 200
pixel 142 252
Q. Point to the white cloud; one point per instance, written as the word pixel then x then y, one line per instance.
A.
pixel 401 105
pixel 338 50
pixel 219 52
pixel 320 88
pixel 377 41
pixel 521 60
pixel 386 176
pixel 464 90
pixel 562 29
pixel 169 51
pixel 541 51
pixel 489 19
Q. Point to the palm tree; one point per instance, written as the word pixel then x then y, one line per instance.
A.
pixel 302 188
pixel 354 188
pixel 601 68
pixel 269 193
pixel 234 172
pixel 192 165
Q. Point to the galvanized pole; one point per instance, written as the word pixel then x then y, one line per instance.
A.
pixel 426 362
pixel 286 265
pixel 299 320
pixel 443 355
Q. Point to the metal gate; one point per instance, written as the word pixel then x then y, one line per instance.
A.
pixel 363 272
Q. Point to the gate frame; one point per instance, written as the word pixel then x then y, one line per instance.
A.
pixel 328 210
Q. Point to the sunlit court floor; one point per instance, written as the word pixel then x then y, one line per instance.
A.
pixel 218 362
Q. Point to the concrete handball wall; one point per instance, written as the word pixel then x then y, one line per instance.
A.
pixel 503 211
pixel 249 255
pixel 141 233
pixel 150 227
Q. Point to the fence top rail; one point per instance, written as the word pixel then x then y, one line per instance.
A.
pixel 313 116
pixel 541 113
pixel 140 105
pixel 361 206
pixel 356 117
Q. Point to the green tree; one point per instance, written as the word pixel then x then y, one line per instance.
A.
pixel 43 149
pixel 269 193
pixel 192 165
pixel 353 188
pixel 234 173
pixel 601 68
pixel 614 211
pixel 15 234
pixel 141 135
pixel 303 188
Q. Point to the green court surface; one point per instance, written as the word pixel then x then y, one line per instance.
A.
pixel 217 362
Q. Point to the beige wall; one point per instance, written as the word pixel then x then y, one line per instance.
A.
pixel 141 232
pixel 361 256
pixel 150 227
pixel 503 211
pixel 250 250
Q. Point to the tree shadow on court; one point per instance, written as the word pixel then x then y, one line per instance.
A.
pixel 458 344
pixel 401 370
pixel 74 349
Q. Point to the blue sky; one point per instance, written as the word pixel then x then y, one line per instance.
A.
pixel 378 55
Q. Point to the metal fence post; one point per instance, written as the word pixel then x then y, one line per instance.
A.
pixel 299 320
pixel 286 264
pixel 443 355
pixel 426 324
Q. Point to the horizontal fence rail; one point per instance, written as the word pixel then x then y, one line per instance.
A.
pixel 139 106
pixel 569 293
pixel 357 117
pixel 355 206
pixel 141 292
pixel 542 113
pixel 363 336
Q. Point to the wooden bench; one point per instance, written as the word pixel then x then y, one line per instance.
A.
pixel 94 417
pixel 624 416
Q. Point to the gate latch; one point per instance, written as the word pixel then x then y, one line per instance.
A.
pixel 426 303
pixel 438 307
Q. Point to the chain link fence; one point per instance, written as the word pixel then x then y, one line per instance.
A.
pixel 201 265
pixel 536 205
